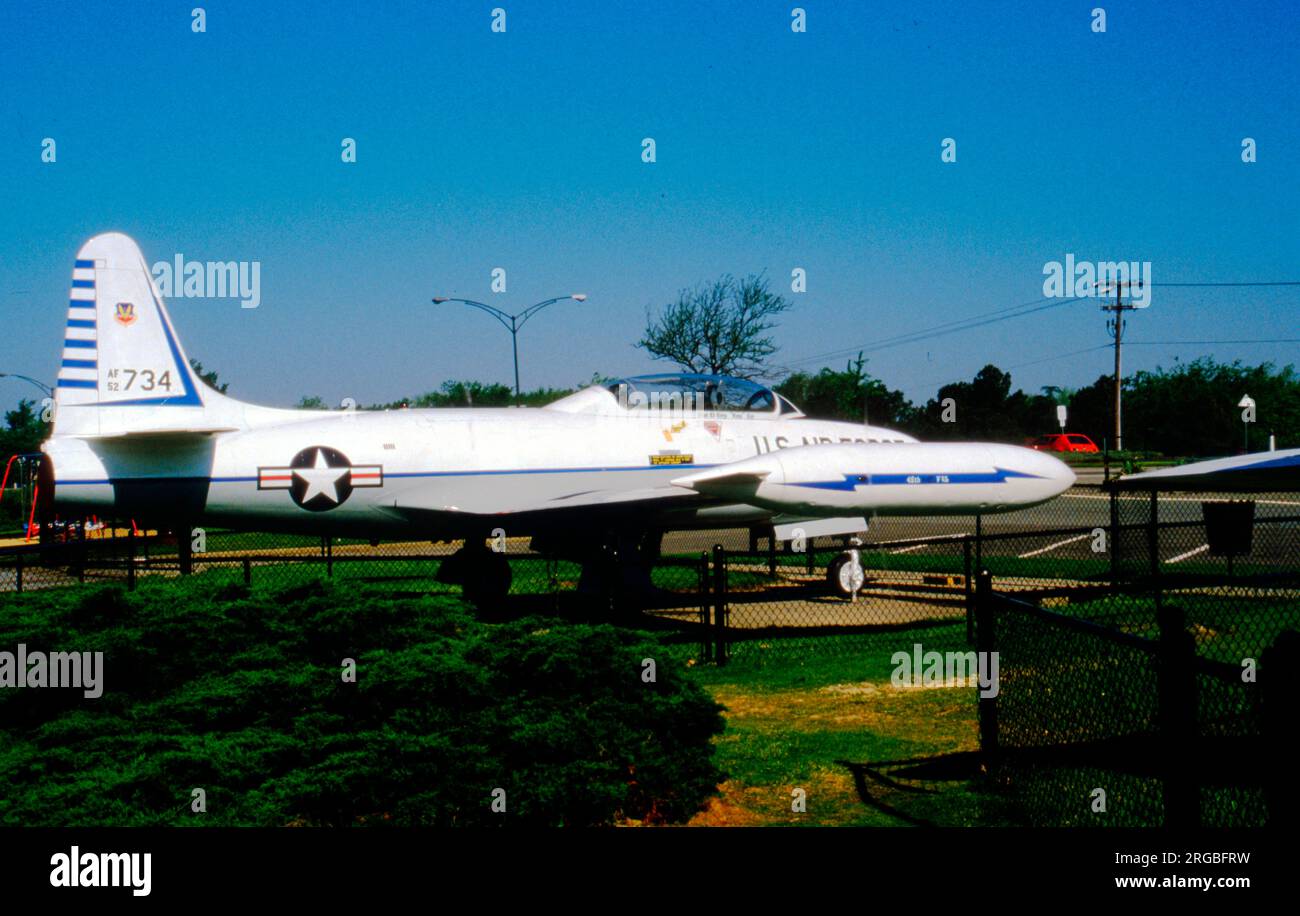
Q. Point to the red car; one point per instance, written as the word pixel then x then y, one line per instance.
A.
pixel 1063 442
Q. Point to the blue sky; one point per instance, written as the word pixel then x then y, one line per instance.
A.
pixel 775 150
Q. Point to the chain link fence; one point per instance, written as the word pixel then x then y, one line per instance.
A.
pixel 1094 725
pixel 1090 554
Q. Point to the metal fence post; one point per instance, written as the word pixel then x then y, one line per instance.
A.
pixel 327 547
pixel 706 642
pixel 979 542
pixel 81 552
pixel 986 641
pixel 1153 545
pixel 967 585
pixel 1114 539
pixel 720 604
pixel 18 575
pixel 130 559
pixel 1176 689
pixel 1280 706
pixel 185 549
pixel 248 571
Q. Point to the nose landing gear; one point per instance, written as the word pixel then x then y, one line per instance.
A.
pixel 844 573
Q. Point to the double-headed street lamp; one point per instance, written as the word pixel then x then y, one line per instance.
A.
pixel 27 378
pixel 512 322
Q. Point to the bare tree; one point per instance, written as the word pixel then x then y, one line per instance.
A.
pixel 717 328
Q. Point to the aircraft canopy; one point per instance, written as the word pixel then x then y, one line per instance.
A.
pixel 687 393
pixel 699 392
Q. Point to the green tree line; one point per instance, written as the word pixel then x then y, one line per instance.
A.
pixel 1187 410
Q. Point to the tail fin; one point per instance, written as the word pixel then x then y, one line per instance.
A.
pixel 123 368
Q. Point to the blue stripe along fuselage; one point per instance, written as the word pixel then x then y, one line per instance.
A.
pixel 998 475
pixel 852 481
pixel 395 474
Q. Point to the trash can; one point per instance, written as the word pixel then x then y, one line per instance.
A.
pixel 1229 526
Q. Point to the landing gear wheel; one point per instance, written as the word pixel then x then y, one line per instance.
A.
pixel 845 576
pixel 652 546
pixel 487 579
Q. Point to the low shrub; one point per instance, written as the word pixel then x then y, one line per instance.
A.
pixel 242 693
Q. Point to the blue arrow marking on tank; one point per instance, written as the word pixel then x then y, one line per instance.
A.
pixel 853 481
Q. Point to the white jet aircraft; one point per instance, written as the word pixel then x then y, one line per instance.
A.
pixel 137 435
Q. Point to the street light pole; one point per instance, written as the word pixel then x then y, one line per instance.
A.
pixel 1247 403
pixel 514 346
pixel 512 323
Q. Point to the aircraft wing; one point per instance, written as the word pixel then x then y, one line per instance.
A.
pixel 1256 472
pixel 582 507
pixel 722 480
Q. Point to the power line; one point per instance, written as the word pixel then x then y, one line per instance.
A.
pixel 1257 340
pixel 1049 359
pixel 1035 362
pixel 1250 283
pixel 1016 311
pixel 939 330
pixel 945 324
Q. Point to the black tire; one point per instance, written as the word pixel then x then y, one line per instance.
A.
pixel 652 545
pixel 487 580
pixel 837 576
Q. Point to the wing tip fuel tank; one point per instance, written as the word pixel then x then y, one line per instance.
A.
pixel 896 478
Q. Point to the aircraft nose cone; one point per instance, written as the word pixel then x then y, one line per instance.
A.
pixel 1044 476
pixel 1051 468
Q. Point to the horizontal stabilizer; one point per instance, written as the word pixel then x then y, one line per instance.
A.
pixel 167 434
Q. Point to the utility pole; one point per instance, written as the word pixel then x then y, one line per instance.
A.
pixel 1116 328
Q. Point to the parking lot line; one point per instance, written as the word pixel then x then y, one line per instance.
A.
pixel 1190 553
pixel 1034 553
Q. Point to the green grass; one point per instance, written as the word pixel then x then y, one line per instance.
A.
pixel 799 710
pixel 1040 567
pixel 530 577
pixel 1226 627
pixel 251 542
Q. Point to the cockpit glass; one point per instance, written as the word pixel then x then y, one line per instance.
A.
pixel 693 393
